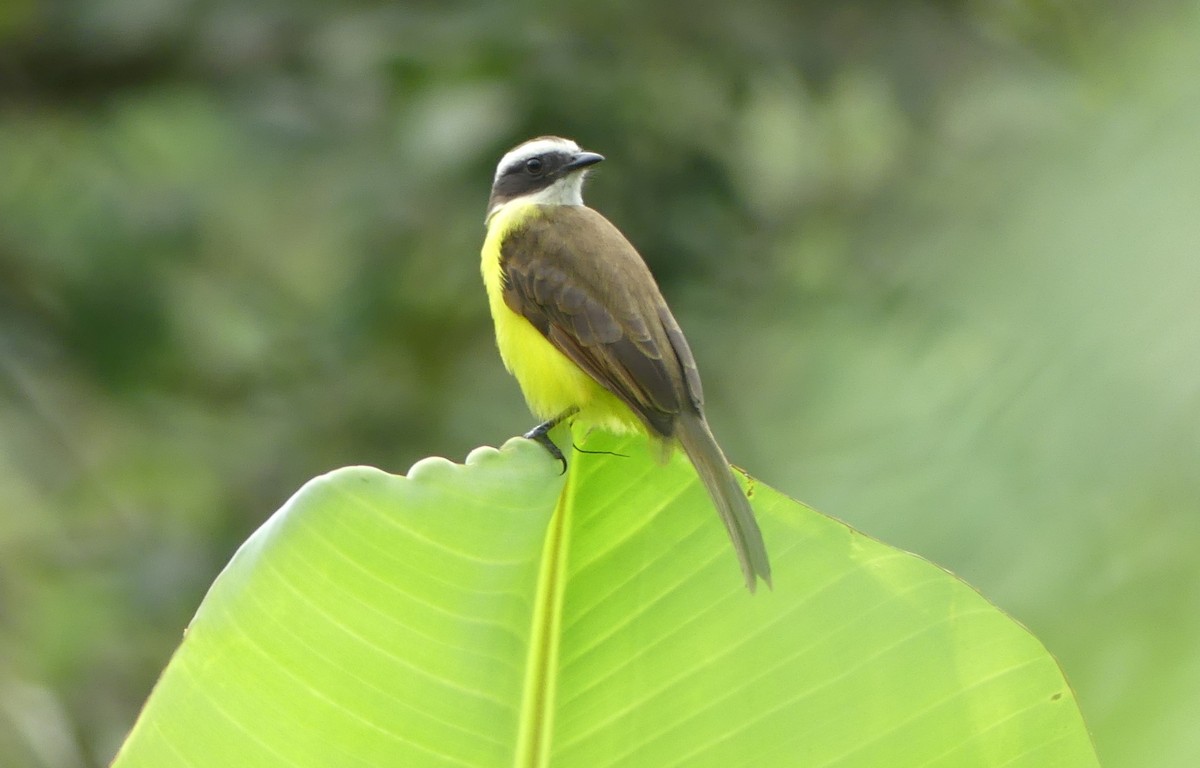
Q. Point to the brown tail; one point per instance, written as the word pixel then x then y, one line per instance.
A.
pixel 731 502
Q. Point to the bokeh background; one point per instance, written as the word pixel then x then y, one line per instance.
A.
pixel 939 262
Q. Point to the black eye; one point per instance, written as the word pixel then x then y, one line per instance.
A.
pixel 534 165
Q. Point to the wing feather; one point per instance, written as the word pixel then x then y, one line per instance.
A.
pixel 577 279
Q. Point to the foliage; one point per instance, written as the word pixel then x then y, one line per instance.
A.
pixel 936 261
pixel 498 614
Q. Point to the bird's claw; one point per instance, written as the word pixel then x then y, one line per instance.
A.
pixel 540 435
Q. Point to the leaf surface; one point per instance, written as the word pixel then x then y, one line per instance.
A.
pixel 498 614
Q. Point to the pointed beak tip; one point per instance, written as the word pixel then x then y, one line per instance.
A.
pixel 585 159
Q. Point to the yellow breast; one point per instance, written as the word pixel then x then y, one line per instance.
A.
pixel 550 382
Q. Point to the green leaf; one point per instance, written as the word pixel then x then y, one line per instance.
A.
pixel 498 614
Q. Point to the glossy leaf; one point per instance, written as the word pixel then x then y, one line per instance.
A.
pixel 496 613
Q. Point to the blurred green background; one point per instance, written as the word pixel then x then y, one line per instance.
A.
pixel 939 263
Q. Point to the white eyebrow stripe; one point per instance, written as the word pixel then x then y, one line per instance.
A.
pixel 532 148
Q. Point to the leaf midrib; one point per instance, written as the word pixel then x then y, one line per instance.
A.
pixel 536 723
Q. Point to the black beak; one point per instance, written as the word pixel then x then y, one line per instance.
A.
pixel 582 160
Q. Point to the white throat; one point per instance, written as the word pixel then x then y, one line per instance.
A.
pixel 566 191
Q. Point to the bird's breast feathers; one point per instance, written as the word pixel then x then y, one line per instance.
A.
pixel 550 382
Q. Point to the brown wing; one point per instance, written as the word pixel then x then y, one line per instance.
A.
pixel 576 278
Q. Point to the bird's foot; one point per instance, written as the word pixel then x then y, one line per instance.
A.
pixel 540 434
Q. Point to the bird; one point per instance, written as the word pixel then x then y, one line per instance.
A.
pixel 582 325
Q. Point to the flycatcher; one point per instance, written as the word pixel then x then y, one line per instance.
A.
pixel 582 326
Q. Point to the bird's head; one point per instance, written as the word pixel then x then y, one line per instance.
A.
pixel 547 170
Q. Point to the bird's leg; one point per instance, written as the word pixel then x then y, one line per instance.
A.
pixel 539 434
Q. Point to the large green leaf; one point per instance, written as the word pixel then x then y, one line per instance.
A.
pixel 496 614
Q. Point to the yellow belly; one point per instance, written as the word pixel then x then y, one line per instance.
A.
pixel 550 382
